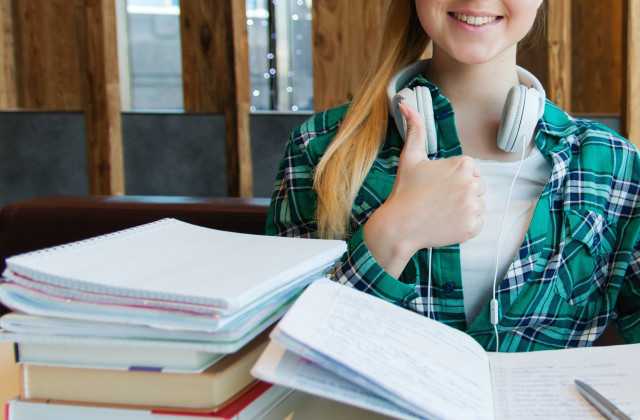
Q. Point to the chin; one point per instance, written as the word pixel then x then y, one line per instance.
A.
pixel 473 59
pixel 473 56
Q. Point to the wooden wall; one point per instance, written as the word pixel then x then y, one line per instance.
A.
pixel 60 55
pixel 49 46
pixel 64 57
pixel 597 56
pixel 45 39
pixel 345 34
pixel 102 106
pixel 579 55
pixel 631 79
pixel 215 74
pixel 8 88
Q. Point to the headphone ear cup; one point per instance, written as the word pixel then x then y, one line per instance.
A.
pixel 425 108
pixel 512 114
pixel 419 98
pixel 522 110
pixel 405 96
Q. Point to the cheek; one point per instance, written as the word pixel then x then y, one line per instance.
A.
pixel 422 11
pixel 526 24
pixel 428 15
pixel 526 12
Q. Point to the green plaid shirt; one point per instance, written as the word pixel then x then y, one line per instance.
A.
pixel 577 269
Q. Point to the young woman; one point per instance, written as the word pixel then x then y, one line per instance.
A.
pixel 527 249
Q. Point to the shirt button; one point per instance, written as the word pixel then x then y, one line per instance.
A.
pixel 443 113
pixel 359 199
pixel 449 287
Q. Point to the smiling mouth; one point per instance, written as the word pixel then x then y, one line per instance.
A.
pixel 474 20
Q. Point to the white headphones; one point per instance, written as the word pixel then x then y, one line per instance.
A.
pixel 523 107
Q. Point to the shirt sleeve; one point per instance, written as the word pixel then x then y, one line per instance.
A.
pixel 361 271
pixel 292 213
pixel 292 207
pixel 628 304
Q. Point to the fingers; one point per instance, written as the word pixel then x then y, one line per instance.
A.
pixel 472 172
pixel 469 220
pixel 476 229
pixel 481 186
pixel 443 197
pixel 471 207
pixel 470 165
pixel 415 141
pixel 477 170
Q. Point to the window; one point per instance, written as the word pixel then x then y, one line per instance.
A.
pixel 280 59
pixel 150 54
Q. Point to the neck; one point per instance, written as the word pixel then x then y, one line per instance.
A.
pixel 475 85
pixel 477 93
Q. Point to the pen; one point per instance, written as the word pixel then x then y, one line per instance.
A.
pixel 601 404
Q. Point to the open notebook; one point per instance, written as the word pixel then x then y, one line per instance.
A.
pixel 342 344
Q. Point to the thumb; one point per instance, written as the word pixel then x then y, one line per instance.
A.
pixel 415 142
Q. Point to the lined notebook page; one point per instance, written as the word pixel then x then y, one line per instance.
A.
pixel 173 260
pixel 540 384
pixel 279 366
pixel 417 363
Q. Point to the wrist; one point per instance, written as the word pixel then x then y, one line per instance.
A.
pixel 386 242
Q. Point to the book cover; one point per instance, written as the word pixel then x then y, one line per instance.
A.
pixel 104 354
pixel 258 401
pixel 213 387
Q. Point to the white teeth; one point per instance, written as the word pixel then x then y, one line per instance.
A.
pixel 474 20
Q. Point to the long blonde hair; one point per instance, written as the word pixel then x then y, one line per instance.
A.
pixel 348 159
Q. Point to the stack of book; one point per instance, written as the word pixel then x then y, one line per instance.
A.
pixel 165 318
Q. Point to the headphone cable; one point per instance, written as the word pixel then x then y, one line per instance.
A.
pixel 494 302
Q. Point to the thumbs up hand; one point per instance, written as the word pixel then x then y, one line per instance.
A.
pixel 432 203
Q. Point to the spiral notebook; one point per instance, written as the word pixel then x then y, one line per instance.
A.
pixel 167 270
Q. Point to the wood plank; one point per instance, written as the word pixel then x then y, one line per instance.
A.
pixel 559 53
pixel 631 106
pixel 102 100
pixel 48 41
pixel 597 56
pixel 203 31
pixel 8 88
pixel 238 143
pixel 215 71
pixel 345 34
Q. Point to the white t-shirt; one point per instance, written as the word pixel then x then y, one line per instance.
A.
pixel 478 255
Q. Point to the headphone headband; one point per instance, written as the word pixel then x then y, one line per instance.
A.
pixel 523 108
pixel 404 76
pixel 530 81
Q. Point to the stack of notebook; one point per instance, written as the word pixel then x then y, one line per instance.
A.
pixel 164 317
